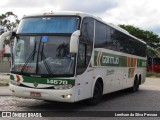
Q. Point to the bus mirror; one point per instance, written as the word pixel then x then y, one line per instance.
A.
pixel 74 41
pixel 6 36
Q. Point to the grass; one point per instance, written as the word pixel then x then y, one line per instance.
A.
pixel 153 74
pixel 4 84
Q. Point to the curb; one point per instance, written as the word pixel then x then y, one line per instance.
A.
pixel 5 91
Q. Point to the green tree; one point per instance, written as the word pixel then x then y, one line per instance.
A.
pixel 152 39
pixel 9 21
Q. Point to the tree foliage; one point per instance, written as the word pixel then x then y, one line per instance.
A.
pixel 9 21
pixel 152 39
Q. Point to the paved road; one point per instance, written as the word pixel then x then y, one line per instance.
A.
pixel 146 99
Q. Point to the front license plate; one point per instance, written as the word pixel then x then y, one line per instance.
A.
pixel 35 94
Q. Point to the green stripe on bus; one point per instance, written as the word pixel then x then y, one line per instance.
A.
pixel 141 63
pixel 11 77
pixel 49 81
pixel 45 80
pixel 107 59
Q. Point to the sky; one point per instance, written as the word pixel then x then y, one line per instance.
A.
pixel 144 14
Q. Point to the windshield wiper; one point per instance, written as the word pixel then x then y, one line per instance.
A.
pixel 27 61
pixel 32 55
pixel 43 57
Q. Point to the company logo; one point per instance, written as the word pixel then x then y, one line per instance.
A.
pixel 104 59
pixel 110 72
pixel 20 114
pixel 6 114
pixel 35 84
pixel 110 60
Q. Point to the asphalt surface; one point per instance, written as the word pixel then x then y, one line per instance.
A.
pixel 146 99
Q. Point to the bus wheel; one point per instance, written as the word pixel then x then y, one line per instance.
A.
pixel 135 86
pixel 97 95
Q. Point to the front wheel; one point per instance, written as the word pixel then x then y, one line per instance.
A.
pixel 97 95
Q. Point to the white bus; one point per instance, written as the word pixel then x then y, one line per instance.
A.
pixel 73 56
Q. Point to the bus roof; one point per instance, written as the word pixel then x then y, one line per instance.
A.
pixel 82 14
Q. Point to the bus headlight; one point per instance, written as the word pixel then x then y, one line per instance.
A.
pixel 14 82
pixel 68 96
pixel 62 87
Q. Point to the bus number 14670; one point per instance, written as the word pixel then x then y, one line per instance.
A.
pixel 57 82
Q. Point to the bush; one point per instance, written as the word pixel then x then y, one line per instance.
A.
pixel 153 74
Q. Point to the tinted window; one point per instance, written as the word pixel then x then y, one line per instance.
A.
pixel 81 61
pixel 48 25
pixel 87 30
pixel 101 35
pixel 86 44
pixel 124 43
pixel 115 38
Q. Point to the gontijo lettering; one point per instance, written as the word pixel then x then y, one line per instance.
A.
pixel 110 60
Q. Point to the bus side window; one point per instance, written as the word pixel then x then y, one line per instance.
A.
pixel 86 44
pixel 81 61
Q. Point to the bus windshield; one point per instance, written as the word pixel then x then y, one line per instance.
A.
pixel 42 47
pixel 48 25
pixel 43 55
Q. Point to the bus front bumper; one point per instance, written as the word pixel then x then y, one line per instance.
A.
pixel 43 94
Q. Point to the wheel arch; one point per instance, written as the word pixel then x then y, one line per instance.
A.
pixel 100 80
pixel 136 77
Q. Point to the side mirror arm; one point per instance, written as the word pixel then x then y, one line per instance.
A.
pixel 3 37
pixel 74 41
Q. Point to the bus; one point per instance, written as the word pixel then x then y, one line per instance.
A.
pixel 73 56
pixel 153 65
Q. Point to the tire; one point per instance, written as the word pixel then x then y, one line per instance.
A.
pixel 135 87
pixel 97 95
